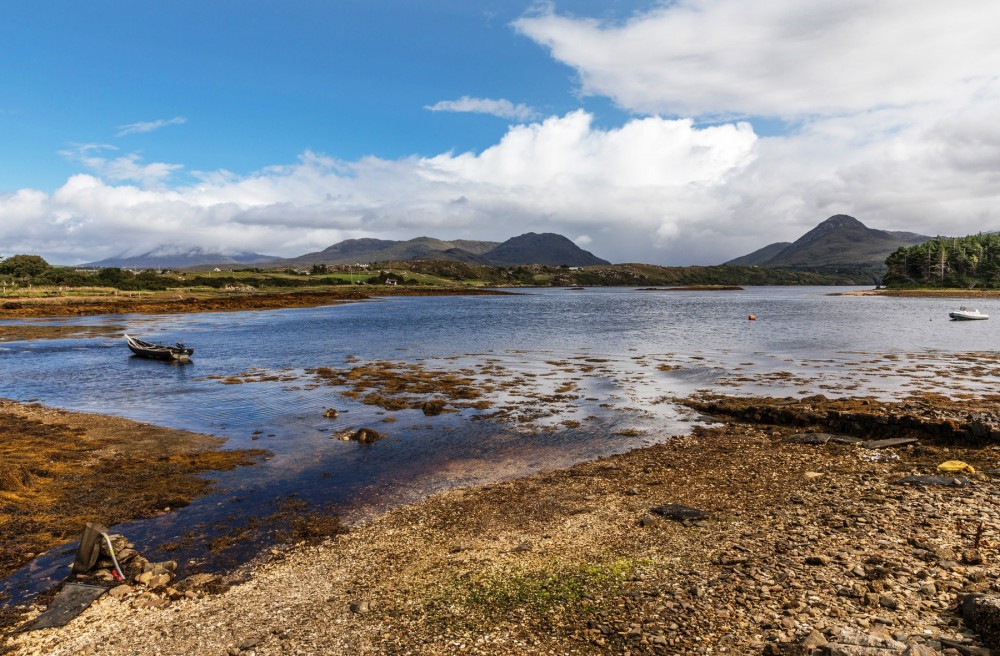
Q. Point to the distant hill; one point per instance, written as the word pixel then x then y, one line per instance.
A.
pixel 354 251
pixel 760 256
pixel 174 256
pixel 530 248
pixel 839 243
pixel 545 248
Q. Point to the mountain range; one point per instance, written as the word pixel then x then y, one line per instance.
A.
pixel 173 256
pixel 838 243
pixel 530 248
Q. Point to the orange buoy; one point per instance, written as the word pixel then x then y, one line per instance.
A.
pixel 752 317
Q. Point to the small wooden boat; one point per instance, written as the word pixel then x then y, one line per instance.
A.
pixel 158 351
pixel 967 314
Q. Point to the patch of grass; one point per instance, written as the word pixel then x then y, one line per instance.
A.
pixel 555 585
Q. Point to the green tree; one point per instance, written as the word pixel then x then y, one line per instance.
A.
pixel 24 266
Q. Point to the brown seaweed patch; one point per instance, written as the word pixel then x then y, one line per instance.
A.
pixel 61 470
pixel 399 386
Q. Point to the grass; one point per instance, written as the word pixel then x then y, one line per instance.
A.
pixel 555 585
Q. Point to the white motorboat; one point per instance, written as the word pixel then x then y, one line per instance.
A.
pixel 967 314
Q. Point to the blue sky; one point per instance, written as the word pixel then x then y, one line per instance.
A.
pixel 259 82
pixel 671 133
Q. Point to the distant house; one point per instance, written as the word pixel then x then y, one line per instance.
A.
pixel 391 281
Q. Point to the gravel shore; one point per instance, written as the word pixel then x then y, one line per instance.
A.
pixel 802 545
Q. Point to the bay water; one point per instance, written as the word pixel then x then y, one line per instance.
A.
pixel 625 355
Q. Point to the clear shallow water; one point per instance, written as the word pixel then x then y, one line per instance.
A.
pixel 621 351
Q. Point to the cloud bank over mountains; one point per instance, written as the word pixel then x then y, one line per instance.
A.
pixel 885 111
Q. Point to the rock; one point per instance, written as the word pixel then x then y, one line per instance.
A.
pixel 814 639
pixel 972 557
pixel 103 576
pixel 680 513
pixel 919 650
pixel 120 591
pixel 360 607
pixel 984 614
pixel 817 559
pixel 950 481
pixel 126 555
pixel 199 582
pixel 150 600
pixel 648 520
pixel 521 548
pixel 330 413
pixel 167 566
pixel 889 443
pixel 432 408
pixel 810 438
pixel 854 642
pixel 249 644
pixel 367 435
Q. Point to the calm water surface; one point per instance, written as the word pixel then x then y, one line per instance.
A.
pixel 642 347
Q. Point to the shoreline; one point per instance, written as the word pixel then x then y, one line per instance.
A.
pixel 186 302
pixel 924 293
pixel 820 538
pixel 12 308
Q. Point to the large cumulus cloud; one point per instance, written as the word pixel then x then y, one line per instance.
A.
pixel 883 110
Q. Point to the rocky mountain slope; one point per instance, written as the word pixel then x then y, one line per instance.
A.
pixel 837 243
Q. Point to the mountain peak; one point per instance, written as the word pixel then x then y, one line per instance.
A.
pixel 547 248
pixel 842 221
pixel 839 241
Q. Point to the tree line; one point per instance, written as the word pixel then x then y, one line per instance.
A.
pixel 954 262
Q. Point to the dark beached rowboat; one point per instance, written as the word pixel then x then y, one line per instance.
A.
pixel 157 351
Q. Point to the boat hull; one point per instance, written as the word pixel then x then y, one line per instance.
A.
pixel 158 351
pixel 966 316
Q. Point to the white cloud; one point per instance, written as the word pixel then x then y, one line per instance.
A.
pixel 148 126
pixel 779 58
pixel 496 107
pixel 560 175
pixel 894 110
pixel 125 167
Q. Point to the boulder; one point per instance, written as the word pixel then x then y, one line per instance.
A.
pixel 981 613
pixel 680 513
pixel 432 408
pixel 367 435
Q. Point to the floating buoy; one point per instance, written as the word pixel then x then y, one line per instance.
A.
pixel 752 317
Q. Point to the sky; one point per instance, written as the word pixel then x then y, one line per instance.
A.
pixel 667 132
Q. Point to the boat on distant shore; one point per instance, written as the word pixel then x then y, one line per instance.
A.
pixel 967 314
pixel 158 351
